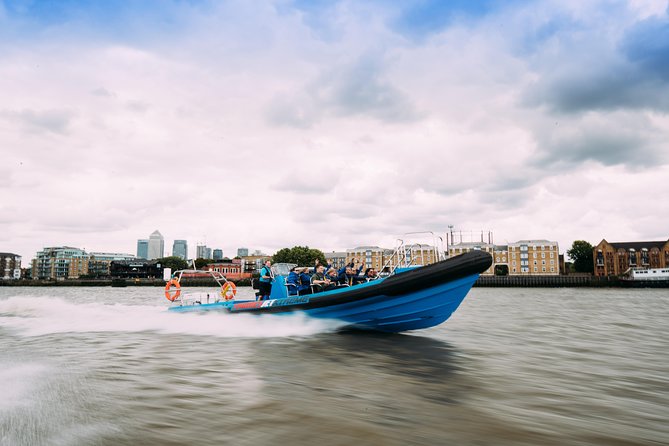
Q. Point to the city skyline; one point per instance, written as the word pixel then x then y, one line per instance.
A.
pixel 330 124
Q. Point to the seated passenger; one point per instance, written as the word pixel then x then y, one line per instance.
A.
pixel 353 274
pixel 293 282
pixel 333 276
pixel 319 281
pixel 305 281
pixel 371 274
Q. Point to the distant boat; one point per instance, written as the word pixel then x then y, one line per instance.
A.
pixel 410 298
pixel 646 274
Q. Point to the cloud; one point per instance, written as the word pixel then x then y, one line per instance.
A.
pixel 580 68
pixel 103 92
pixel 52 121
pixel 353 90
pixel 621 138
pixel 646 45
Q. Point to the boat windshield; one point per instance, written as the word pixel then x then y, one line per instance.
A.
pixel 282 269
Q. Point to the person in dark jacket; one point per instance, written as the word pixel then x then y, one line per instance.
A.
pixel 293 281
pixel 320 281
pixel 305 282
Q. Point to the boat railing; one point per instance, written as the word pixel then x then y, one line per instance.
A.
pixel 201 297
pixel 408 255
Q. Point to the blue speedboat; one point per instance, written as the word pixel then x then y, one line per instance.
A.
pixel 409 299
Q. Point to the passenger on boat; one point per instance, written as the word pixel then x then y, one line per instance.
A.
pixel 353 274
pixel 305 282
pixel 319 281
pixel 293 281
pixel 266 278
pixel 371 274
pixel 333 276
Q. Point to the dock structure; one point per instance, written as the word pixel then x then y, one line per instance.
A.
pixel 565 281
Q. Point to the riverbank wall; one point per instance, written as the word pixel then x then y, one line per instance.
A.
pixel 569 281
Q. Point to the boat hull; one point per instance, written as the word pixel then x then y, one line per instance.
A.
pixel 412 300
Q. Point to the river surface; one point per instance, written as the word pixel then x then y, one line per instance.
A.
pixel 109 366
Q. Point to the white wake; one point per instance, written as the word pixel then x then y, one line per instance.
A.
pixel 38 316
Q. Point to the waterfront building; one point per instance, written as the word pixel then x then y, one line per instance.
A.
pixel 231 269
pixel 252 264
pixel 336 259
pixel 539 257
pixel 613 259
pixel 242 252
pixel 143 248
pixel 218 254
pixel 99 262
pixel 180 249
pixel 10 266
pixel 524 257
pixel 156 246
pixel 60 263
pixel 500 259
pixel 202 252
pixel 369 256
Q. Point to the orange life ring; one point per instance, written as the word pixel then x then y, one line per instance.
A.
pixel 228 291
pixel 168 293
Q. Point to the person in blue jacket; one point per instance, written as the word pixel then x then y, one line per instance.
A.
pixel 305 282
pixel 293 281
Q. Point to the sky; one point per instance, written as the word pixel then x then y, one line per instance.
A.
pixel 331 124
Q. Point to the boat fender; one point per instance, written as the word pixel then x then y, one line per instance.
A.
pixel 168 292
pixel 228 291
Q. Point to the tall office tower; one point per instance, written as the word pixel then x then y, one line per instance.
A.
pixel 143 249
pixel 242 252
pixel 201 251
pixel 180 249
pixel 218 254
pixel 156 246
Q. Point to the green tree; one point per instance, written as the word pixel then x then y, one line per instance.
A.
pixel 176 263
pixel 581 253
pixel 200 262
pixel 301 255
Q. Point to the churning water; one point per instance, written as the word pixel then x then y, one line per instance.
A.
pixel 109 366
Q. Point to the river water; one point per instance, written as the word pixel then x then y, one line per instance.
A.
pixel 108 366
